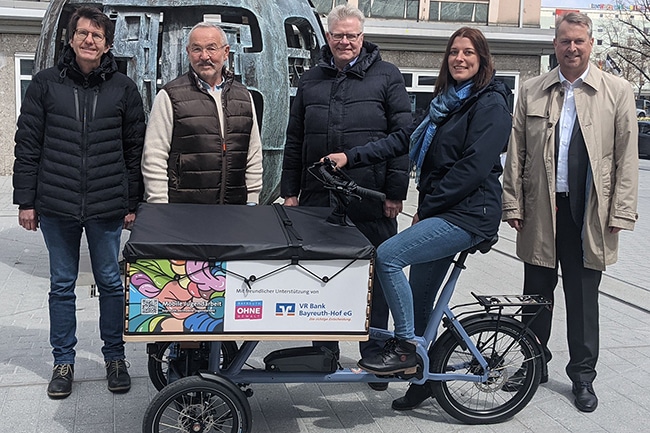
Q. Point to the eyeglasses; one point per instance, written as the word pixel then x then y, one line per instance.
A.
pixel 81 35
pixel 351 37
pixel 211 49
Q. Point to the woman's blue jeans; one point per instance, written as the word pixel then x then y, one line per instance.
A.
pixel 426 246
pixel 63 240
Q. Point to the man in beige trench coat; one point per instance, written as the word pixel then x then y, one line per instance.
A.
pixel 570 185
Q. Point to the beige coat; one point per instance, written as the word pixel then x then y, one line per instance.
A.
pixel 607 117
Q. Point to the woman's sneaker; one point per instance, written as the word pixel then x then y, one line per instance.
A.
pixel 118 377
pixel 61 383
pixel 398 356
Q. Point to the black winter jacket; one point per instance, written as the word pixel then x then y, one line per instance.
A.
pixel 79 142
pixel 333 111
pixel 459 181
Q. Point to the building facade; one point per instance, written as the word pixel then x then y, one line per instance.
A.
pixel 614 25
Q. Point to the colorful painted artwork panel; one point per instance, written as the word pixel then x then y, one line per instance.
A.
pixel 176 296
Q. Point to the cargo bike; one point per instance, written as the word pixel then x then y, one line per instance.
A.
pixel 200 278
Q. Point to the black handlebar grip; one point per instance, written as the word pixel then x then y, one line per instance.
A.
pixel 369 193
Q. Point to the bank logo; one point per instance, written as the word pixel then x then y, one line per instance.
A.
pixel 248 310
pixel 285 309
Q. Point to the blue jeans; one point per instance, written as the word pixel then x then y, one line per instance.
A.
pixel 63 240
pixel 425 246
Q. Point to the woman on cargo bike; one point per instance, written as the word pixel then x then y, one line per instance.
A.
pixel 455 152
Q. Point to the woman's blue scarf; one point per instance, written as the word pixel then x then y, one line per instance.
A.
pixel 440 106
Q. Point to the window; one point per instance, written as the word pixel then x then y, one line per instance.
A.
pixel 458 12
pixel 325 6
pixel 24 64
pixel 390 8
pixel 420 84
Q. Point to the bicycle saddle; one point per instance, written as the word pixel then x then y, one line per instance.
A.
pixel 484 246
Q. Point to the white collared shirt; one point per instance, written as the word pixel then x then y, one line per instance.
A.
pixel 566 124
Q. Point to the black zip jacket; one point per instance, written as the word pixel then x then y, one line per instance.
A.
pixel 79 142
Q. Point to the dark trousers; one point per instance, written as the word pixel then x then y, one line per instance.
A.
pixel 581 296
pixel 377 232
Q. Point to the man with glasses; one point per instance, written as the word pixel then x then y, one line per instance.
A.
pixel 203 143
pixel 351 97
pixel 570 185
pixel 78 151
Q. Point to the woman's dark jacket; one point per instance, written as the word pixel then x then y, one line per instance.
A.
pixel 79 142
pixel 459 181
pixel 333 111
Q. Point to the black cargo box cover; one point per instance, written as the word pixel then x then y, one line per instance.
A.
pixel 232 232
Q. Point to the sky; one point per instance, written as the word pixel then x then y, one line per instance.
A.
pixel 578 4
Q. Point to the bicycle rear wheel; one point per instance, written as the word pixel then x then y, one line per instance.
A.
pixel 514 372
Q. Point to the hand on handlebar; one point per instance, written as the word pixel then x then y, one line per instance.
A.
pixel 339 159
pixel 335 179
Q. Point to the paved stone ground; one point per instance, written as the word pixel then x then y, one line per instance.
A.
pixel 25 359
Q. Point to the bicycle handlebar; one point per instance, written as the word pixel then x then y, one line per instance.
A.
pixel 370 193
pixel 340 182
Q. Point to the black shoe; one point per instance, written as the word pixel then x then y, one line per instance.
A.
pixel 118 377
pixel 415 396
pixel 586 400
pixel 514 382
pixel 378 386
pixel 398 356
pixel 61 383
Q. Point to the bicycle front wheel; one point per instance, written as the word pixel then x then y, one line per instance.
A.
pixel 514 372
pixel 193 404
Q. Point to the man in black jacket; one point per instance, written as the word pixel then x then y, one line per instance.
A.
pixel 351 97
pixel 77 168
